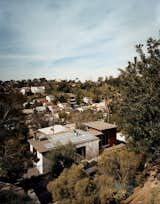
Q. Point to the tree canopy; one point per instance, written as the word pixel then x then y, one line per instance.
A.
pixel 63 156
pixel 140 99
pixel 14 154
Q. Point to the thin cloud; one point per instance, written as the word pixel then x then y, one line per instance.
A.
pixel 72 38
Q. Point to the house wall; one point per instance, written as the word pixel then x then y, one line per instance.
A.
pixel 38 89
pixel 31 148
pixel 39 164
pixel 43 165
pixel 111 133
pixel 92 149
pixel 111 136
pixel 46 164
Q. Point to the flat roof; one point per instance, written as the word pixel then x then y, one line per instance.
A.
pixel 95 132
pixel 100 125
pixel 53 129
pixel 39 145
pixel 75 137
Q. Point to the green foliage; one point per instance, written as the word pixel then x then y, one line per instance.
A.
pixel 117 174
pixel 63 116
pixel 85 116
pixel 121 164
pixel 63 156
pixel 73 186
pixel 14 156
pixel 115 179
pixel 11 197
pixel 155 196
pixel 140 94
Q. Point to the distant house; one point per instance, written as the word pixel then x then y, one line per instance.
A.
pixel 72 100
pixel 106 133
pixel 86 144
pixel 121 137
pixel 99 106
pixel 60 105
pixel 28 111
pixel 37 89
pixel 50 98
pixel 87 100
pixel 40 108
pixel 25 90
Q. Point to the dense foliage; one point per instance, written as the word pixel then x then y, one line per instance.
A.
pixel 115 179
pixel 63 156
pixel 14 155
pixel 140 95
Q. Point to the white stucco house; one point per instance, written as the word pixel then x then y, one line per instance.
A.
pixel 25 90
pixel 50 98
pixel 87 145
pixel 87 100
pixel 37 89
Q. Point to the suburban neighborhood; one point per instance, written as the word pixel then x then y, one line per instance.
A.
pixel 79 102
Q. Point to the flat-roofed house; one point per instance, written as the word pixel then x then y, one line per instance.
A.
pixel 52 130
pixel 106 132
pixel 38 89
pixel 87 145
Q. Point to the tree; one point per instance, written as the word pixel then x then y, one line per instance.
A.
pixel 12 197
pixel 14 154
pixel 117 174
pixel 73 186
pixel 114 180
pixel 140 93
pixel 63 156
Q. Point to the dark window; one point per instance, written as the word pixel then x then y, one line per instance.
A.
pixel 103 140
pixel 81 151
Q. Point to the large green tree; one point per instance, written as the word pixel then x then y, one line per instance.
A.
pixel 63 156
pixel 140 103
pixel 14 154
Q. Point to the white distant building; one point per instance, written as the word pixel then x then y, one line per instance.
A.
pixel 27 111
pixel 50 98
pixel 121 137
pixel 87 145
pixel 87 100
pixel 99 106
pixel 61 106
pixel 38 89
pixel 40 108
pixel 25 90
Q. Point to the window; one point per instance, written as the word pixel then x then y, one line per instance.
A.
pixel 81 151
pixel 103 140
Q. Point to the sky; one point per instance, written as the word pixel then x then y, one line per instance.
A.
pixel 68 39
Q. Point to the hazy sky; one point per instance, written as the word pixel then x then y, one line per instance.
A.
pixel 72 38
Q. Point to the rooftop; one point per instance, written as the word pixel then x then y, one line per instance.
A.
pixel 75 137
pixel 100 125
pixel 40 145
pixel 53 129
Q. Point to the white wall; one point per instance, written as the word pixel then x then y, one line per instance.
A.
pixel 43 165
pixel 31 148
pixel 92 149
pixel 39 164
pixel 39 89
pixel 92 152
